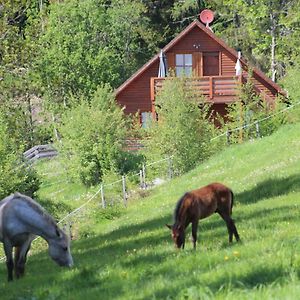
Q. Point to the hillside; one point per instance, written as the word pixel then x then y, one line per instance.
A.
pixel 133 257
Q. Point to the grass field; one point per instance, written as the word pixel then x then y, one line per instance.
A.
pixel 132 256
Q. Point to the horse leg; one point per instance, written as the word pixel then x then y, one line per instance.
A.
pixel 8 249
pixel 230 226
pixel 17 258
pixel 234 230
pixel 22 256
pixel 194 233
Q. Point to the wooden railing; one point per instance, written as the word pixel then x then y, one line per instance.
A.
pixel 40 151
pixel 210 86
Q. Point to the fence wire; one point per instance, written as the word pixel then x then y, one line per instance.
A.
pixel 150 175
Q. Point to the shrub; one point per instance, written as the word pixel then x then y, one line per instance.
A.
pixel 244 114
pixel 14 174
pixel 183 130
pixel 92 136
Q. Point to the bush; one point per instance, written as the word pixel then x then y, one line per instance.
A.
pixel 14 174
pixel 92 137
pixel 248 110
pixel 291 84
pixel 183 130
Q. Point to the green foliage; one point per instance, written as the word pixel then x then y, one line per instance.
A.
pixel 93 135
pixel 135 249
pixel 244 114
pixel 14 174
pixel 88 43
pixel 291 82
pixel 183 129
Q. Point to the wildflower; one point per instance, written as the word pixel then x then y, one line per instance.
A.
pixel 236 253
pixel 226 257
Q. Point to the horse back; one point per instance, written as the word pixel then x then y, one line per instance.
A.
pixel 211 198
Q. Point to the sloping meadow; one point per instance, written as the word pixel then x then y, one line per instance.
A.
pixel 133 256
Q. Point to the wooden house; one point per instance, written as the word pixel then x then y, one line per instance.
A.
pixel 211 62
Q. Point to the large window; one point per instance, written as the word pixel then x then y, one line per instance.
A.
pixel 183 64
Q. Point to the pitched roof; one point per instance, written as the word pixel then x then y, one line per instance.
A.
pixel 198 24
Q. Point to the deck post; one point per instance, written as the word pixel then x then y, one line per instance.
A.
pixel 211 90
pixel 152 97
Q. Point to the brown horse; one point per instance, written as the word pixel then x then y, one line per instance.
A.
pixel 199 204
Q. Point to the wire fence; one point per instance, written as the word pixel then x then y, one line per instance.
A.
pixel 150 175
pixel 255 123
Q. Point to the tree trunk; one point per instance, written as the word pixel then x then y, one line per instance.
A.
pixel 273 46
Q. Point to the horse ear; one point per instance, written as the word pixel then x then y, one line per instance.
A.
pixel 169 226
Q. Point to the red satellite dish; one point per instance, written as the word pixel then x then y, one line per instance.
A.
pixel 206 16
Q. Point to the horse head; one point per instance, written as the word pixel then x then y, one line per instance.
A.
pixel 59 248
pixel 178 236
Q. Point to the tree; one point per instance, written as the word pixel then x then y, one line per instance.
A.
pixel 183 129
pixel 17 89
pixel 92 136
pixel 14 175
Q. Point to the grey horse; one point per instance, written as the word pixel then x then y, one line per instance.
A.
pixel 21 220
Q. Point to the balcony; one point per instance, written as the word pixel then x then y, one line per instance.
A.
pixel 217 89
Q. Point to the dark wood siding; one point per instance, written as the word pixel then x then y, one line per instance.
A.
pixel 228 64
pixel 136 95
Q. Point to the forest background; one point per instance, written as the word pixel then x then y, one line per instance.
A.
pixel 61 60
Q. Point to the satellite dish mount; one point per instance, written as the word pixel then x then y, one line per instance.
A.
pixel 206 17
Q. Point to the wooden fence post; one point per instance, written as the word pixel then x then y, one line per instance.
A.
pixel 124 190
pixel 102 196
pixel 228 137
pixel 257 129
pixel 170 168
pixel 143 177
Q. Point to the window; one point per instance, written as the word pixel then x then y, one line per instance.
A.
pixel 146 119
pixel 183 64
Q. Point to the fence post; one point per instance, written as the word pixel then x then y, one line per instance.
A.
pixel 124 190
pixel 257 129
pixel 170 168
pixel 143 177
pixel 228 137
pixel 102 196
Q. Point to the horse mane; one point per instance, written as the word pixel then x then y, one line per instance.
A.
pixel 178 207
pixel 36 206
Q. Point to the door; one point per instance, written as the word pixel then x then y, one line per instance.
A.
pixel 211 63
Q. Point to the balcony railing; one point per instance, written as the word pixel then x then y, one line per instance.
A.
pixel 209 86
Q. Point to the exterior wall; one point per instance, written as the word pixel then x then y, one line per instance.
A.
pixel 136 96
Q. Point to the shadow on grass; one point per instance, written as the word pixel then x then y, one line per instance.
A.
pixel 202 289
pixel 270 188
pixel 136 246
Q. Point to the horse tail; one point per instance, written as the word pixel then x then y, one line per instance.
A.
pixel 231 193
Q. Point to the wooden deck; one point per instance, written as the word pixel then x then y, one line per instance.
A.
pixel 216 89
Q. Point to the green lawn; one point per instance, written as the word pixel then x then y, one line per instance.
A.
pixel 132 256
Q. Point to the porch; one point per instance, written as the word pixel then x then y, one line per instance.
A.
pixel 217 89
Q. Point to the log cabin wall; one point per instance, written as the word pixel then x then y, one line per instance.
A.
pixel 206 50
pixel 136 96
